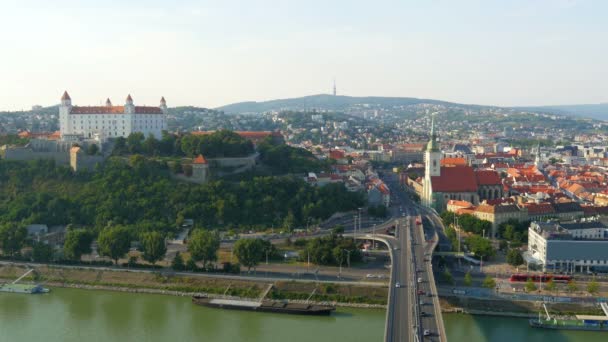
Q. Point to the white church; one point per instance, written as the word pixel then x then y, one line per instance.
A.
pixel 104 122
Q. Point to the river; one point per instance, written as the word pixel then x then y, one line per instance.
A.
pixel 82 315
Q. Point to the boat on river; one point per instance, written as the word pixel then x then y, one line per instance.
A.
pixel 580 322
pixel 265 305
pixel 15 287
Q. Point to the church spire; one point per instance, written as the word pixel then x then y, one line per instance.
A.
pixel 432 145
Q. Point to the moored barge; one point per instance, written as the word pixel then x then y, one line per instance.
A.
pixel 265 306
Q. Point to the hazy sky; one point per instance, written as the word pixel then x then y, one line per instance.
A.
pixel 211 53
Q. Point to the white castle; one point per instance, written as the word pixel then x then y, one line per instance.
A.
pixel 103 122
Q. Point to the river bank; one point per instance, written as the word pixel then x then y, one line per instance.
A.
pixel 511 308
pixel 180 285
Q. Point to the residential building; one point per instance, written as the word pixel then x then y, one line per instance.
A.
pixel 556 248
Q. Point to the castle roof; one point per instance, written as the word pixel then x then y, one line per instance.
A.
pixel 113 110
pixel 65 96
pixel 199 160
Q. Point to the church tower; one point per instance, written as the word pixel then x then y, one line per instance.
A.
pixel 432 165
pixel 538 159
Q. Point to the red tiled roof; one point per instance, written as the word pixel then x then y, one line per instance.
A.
pixel 199 160
pixel 487 177
pixel 336 154
pixel 455 179
pixel 457 203
pixel 113 110
pixel 383 189
pixel 454 161
pixel 539 209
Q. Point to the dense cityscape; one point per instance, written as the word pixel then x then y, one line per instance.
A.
pixel 304 171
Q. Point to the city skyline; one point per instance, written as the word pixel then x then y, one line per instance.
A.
pixel 212 54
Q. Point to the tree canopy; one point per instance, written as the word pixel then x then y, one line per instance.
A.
pixel 77 243
pixel 153 246
pixel 114 242
pixel 203 246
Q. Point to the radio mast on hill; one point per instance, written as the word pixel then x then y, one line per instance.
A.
pixel 334 87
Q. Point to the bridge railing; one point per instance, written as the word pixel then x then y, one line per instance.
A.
pixel 436 304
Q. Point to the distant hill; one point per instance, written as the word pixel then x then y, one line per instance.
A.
pixel 322 101
pixel 594 111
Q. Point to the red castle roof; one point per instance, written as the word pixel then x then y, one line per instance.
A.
pixel 199 160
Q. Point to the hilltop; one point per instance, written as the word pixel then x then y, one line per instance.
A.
pixel 593 111
pixel 325 102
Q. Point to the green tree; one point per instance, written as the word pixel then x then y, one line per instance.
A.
pixel 468 280
pixel 530 285
pixel 12 238
pixel 42 252
pixel 480 246
pixel 191 265
pixel 550 285
pixel 178 262
pixel 514 258
pixel 153 246
pixel 290 221
pixel 114 242
pixel 572 286
pixel 77 243
pixel 249 252
pixel 447 276
pixel 489 282
pixel 593 287
pixel 203 246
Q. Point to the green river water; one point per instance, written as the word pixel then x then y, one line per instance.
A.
pixel 79 315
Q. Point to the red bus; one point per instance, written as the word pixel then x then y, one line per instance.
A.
pixel 542 278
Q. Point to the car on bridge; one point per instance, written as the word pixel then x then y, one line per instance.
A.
pixel 397 284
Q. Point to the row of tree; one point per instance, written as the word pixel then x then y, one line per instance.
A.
pixel 333 249
pixel 223 143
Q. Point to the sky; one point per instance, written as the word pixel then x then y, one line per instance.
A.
pixel 212 53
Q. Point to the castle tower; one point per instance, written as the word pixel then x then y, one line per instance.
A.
pixel 432 165
pixel 129 107
pixel 335 87
pixel 200 169
pixel 163 105
pixel 64 112
pixel 108 102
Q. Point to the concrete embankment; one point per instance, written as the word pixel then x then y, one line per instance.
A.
pixel 502 307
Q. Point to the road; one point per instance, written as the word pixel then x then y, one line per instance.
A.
pixel 418 309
